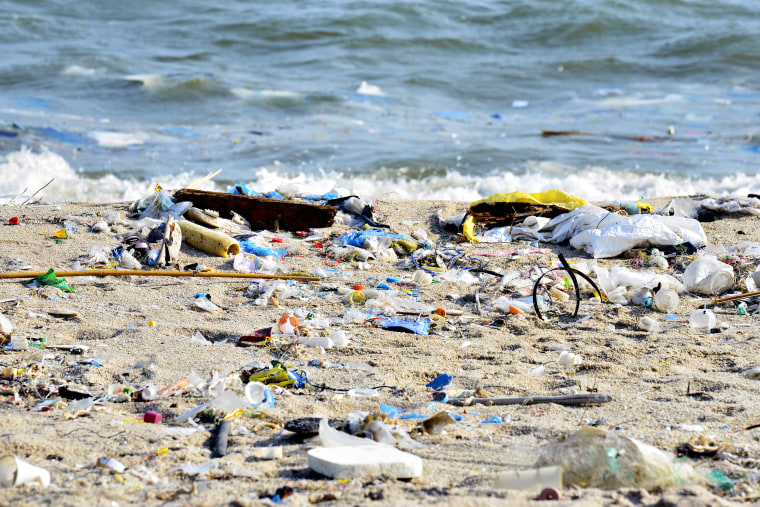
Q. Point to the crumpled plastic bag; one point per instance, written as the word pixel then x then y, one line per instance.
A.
pixel 50 279
pixel 708 276
pixel 732 204
pixel 606 459
pixel 602 234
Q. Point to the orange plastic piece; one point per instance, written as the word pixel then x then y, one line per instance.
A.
pixel 290 319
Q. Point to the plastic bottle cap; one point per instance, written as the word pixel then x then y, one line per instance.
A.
pixel 152 417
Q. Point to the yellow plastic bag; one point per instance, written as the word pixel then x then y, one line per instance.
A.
pixel 558 198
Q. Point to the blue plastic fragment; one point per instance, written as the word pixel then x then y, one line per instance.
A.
pixel 357 238
pixel 301 382
pixel 457 417
pixel 325 197
pixel 249 246
pixel 441 382
pixel 243 189
pixel 413 416
pixel 494 420
pixel 268 400
pixel 391 279
pixel 440 397
pixel 274 194
pixel 383 286
pixel 420 326
pixel 390 410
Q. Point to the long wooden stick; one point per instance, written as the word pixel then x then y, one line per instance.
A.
pixel 137 272
pixel 571 399
pixel 735 297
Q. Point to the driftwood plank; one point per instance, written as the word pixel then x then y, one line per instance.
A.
pixel 571 399
pixel 262 213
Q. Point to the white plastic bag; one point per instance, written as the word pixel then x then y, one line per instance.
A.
pixel 708 276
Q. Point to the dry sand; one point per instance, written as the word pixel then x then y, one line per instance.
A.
pixel 662 384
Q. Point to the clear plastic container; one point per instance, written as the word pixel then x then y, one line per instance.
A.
pixel 666 301
pixel 703 319
pixel 649 325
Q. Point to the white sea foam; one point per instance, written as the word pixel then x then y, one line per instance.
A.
pixel 76 70
pixel 116 139
pixel 25 171
pixel 248 94
pixel 149 81
pixel 370 89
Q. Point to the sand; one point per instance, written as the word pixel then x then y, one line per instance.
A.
pixel 667 388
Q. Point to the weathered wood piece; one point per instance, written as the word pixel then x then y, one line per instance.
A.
pixel 571 399
pixel 262 213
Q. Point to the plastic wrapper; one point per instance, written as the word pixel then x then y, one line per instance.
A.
pixel 605 459
pixel 330 437
pixel 6 326
pixel 419 326
pixel 50 279
pixel 249 246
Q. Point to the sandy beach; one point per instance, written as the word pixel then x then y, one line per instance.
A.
pixel 667 388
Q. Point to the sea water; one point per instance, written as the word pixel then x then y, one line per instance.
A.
pixel 428 99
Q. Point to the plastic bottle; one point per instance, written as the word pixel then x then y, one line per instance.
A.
pixel 641 297
pixel 559 294
pixel 649 325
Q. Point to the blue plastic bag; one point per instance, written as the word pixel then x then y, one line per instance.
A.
pixel 420 326
pixel 249 246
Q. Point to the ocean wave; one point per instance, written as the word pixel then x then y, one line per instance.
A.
pixel 26 171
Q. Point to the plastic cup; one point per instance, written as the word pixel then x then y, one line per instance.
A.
pixel 666 301
pixel 259 395
pixel 423 277
pixel 703 319
pixel 14 472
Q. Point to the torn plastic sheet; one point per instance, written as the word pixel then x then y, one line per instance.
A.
pixel 421 326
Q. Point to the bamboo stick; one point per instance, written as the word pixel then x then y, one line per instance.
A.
pixel 735 297
pixel 572 399
pixel 137 272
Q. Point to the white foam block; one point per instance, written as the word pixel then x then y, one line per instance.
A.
pixel 355 462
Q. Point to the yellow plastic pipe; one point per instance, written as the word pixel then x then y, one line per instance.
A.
pixel 207 240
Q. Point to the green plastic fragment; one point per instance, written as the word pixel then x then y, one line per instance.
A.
pixel 50 279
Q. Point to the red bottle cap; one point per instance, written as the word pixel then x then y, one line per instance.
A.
pixel 152 417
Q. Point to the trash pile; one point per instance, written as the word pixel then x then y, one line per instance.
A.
pixel 331 276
